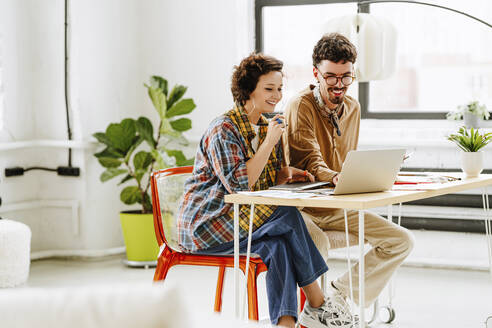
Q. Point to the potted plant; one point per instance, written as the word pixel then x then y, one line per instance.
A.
pixel 471 142
pixel 133 149
pixel 470 112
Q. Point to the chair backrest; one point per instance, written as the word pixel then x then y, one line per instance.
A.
pixel 167 188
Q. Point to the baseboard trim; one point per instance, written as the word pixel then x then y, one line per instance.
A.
pixel 77 253
pixel 425 263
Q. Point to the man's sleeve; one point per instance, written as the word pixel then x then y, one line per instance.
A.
pixel 304 149
pixel 227 157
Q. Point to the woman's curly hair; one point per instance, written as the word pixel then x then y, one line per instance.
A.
pixel 335 48
pixel 246 75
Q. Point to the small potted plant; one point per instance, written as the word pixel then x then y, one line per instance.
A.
pixel 133 149
pixel 470 113
pixel 471 142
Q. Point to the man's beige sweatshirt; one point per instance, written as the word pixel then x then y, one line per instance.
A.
pixel 313 143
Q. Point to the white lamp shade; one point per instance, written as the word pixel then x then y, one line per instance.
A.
pixel 375 43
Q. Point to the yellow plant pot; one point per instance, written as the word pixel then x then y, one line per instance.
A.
pixel 139 236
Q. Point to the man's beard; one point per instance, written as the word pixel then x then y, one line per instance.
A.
pixel 336 100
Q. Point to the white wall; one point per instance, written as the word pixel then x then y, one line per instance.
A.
pixel 197 43
pixel 116 46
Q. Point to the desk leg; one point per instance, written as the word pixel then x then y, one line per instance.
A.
pixel 236 260
pixel 248 253
pixel 362 286
pixel 488 227
pixel 349 265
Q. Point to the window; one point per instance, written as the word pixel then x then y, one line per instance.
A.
pixel 290 33
pixel 443 58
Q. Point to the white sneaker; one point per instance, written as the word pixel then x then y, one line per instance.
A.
pixel 336 300
pixel 324 316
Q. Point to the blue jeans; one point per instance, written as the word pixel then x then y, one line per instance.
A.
pixel 284 245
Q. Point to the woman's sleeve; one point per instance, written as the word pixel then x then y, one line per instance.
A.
pixel 227 156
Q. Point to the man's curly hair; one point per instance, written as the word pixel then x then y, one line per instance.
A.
pixel 335 48
pixel 246 75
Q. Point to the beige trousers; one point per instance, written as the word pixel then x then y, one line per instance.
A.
pixel 390 243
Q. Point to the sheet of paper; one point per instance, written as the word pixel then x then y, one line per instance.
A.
pixel 279 194
pixel 416 178
pixel 419 186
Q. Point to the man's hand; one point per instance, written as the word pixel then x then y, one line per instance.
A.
pixel 335 179
pixel 289 174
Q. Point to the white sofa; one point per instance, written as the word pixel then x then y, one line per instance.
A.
pixel 146 306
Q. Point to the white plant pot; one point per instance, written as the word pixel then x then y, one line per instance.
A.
pixel 471 120
pixel 472 163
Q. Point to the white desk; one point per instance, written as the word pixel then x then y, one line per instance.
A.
pixel 360 202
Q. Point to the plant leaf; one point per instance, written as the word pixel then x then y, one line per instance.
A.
pixel 122 135
pixel 109 152
pixel 176 93
pixel 182 124
pixel 182 107
pixel 142 160
pixel 125 179
pixel 130 195
pixel 111 173
pixel 159 82
pixel 146 130
pixel 167 129
pixel 109 162
pixel 180 157
pixel 159 161
pixel 102 138
pixel 136 142
pixel 139 174
pixel 159 100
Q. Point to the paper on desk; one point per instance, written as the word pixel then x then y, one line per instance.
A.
pixel 279 194
pixel 418 186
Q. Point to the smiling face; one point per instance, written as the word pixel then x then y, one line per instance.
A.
pixel 332 95
pixel 267 94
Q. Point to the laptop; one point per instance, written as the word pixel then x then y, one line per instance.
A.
pixel 369 171
pixel 362 171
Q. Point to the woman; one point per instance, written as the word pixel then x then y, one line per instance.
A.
pixel 241 151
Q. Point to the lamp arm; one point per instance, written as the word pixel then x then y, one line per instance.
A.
pixel 366 2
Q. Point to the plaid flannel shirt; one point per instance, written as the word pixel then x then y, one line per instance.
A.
pixel 204 219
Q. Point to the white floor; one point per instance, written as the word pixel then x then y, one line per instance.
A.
pixel 424 297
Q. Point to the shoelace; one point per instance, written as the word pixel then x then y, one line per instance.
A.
pixel 341 308
pixel 345 308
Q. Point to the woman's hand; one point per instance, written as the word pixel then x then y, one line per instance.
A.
pixel 275 130
pixel 291 174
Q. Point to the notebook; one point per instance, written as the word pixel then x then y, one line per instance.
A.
pixel 300 186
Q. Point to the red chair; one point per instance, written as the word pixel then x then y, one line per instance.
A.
pixel 167 188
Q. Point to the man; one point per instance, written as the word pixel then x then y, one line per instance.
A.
pixel 323 126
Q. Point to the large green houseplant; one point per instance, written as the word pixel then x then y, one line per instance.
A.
pixel 133 149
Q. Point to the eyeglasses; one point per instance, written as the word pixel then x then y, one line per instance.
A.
pixel 333 80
